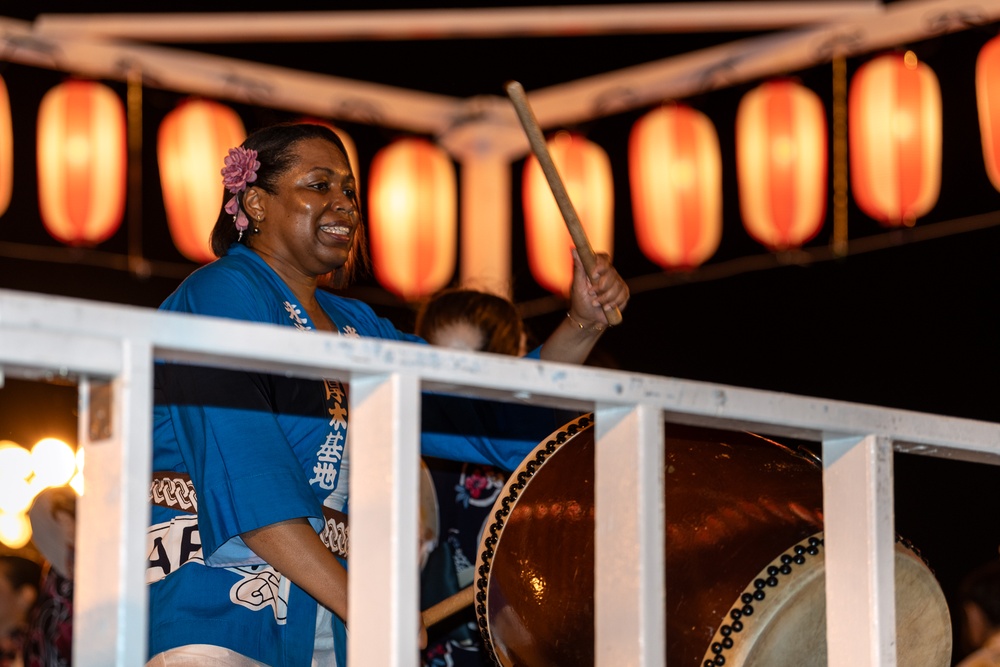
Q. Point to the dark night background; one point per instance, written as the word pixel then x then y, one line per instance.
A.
pixel 911 324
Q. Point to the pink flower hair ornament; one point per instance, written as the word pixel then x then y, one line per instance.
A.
pixel 240 170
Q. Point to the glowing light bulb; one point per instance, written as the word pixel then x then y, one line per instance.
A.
pixel 16 496
pixel 15 529
pixel 53 461
pixel 15 462
pixel 77 482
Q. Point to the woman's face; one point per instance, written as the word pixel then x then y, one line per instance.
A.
pixel 309 223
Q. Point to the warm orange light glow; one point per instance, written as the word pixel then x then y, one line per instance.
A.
pixel 781 160
pixel 988 103
pixel 76 483
pixel 53 462
pixel 6 150
pixel 16 495
pixel 15 461
pixel 192 143
pixel 675 168
pixel 24 474
pixel 15 529
pixel 82 158
pixel 412 217
pixel 585 170
pixel 894 121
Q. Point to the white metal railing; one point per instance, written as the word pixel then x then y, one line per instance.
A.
pixel 110 350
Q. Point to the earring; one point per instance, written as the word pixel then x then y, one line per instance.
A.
pixel 256 228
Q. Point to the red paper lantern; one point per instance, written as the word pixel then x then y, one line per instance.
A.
pixel 192 143
pixel 585 171
pixel 6 150
pixel 82 162
pixel 781 161
pixel 988 102
pixel 894 121
pixel 412 217
pixel 676 180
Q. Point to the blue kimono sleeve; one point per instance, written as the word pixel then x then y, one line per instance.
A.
pixel 483 431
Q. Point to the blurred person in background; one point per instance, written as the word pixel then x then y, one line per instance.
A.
pixel 49 641
pixel 979 596
pixel 19 586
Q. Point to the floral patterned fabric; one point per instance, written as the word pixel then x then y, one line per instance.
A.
pixel 465 493
pixel 49 642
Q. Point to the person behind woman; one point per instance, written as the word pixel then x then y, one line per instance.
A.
pixel 473 320
pixel 468 319
pixel 477 321
pixel 249 494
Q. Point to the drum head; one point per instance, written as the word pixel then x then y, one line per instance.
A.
pixel 787 626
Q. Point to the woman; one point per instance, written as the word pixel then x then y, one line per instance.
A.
pixel 250 469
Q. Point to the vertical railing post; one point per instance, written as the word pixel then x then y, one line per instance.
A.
pixel 383 583
pixel 109 594
pixel 629 584
pixel 859 545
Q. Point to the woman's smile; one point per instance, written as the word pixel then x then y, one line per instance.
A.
pixel 341 233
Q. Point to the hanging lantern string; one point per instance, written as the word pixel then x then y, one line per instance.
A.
pixel 839 114
pixel 137 265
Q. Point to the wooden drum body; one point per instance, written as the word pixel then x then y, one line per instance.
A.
pixel 743 567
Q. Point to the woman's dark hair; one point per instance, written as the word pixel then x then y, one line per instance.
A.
pixel 496 317
pixel 275 146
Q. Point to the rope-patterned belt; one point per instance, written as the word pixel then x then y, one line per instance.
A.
pixel 176 491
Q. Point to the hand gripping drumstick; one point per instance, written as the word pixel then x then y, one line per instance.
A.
pixel 531 128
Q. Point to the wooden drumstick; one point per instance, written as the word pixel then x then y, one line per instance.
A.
pixel 448 606
pixel 534 132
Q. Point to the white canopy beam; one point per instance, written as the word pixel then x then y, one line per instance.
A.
pixel 428 24
pixel 567 103
pixel 231 79
pixel 703 71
